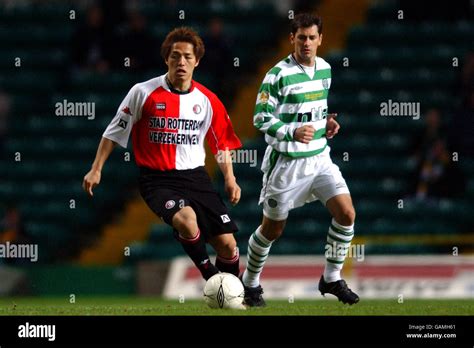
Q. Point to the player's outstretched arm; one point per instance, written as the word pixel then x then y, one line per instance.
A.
pixel 92 178
pixel 224 160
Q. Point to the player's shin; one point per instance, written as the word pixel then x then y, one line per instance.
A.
pixel 257 253
pixel 196 250
pixel 229 265
pixel 338 242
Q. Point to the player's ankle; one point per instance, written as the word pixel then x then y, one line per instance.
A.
pixel 249 281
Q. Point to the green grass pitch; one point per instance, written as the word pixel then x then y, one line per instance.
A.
pixel 156 306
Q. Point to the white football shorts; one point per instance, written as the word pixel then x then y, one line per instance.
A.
pixel 291 183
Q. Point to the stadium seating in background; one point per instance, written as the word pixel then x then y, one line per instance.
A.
pixel 46 155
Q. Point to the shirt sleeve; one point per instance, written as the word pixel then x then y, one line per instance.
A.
pixel 265 118
pixel 221 135
pixel 128 113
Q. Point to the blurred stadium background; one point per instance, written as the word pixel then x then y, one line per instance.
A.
pixel 412 199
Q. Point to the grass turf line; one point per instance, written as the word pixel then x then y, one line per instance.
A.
pixel 98 306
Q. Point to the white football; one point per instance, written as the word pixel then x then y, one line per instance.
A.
pixel 224 290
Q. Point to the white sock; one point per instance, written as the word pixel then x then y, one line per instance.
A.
pixel 257 253
pixel 338 243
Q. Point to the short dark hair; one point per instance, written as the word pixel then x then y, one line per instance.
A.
pixel 183 34
pixel 306 20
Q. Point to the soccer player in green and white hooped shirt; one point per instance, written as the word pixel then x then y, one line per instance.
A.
pixel 291 110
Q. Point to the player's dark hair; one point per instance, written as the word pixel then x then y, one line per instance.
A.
pixel 183 34
pixel 306 20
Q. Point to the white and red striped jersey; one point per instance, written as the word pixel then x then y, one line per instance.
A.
pixel 168 128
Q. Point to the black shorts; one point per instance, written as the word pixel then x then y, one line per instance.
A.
pixel 166 192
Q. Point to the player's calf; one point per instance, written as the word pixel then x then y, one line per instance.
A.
pixel 228 258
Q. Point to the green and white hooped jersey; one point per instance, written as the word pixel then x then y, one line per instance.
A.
pixel 288 99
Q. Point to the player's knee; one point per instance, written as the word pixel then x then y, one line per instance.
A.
pixel 187 231
pixel 347 217
pixel 185 223
pixel 227 249
pixel 272 231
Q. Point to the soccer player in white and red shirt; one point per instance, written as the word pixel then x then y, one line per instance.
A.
pixel 169 117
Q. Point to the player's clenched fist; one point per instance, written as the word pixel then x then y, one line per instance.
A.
pixel 332 127
pixel 233 191
pixel 304 134
pixel 91 180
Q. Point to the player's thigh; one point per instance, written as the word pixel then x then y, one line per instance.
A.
pixel 329 181
pixel 278 201
pixel 342 209
pixel 163 201
pixel 212 214
pixel 185 221
pixel 171 205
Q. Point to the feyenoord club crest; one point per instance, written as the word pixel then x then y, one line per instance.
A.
pixel 170 204
pixel 325 83
pixel 196 109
